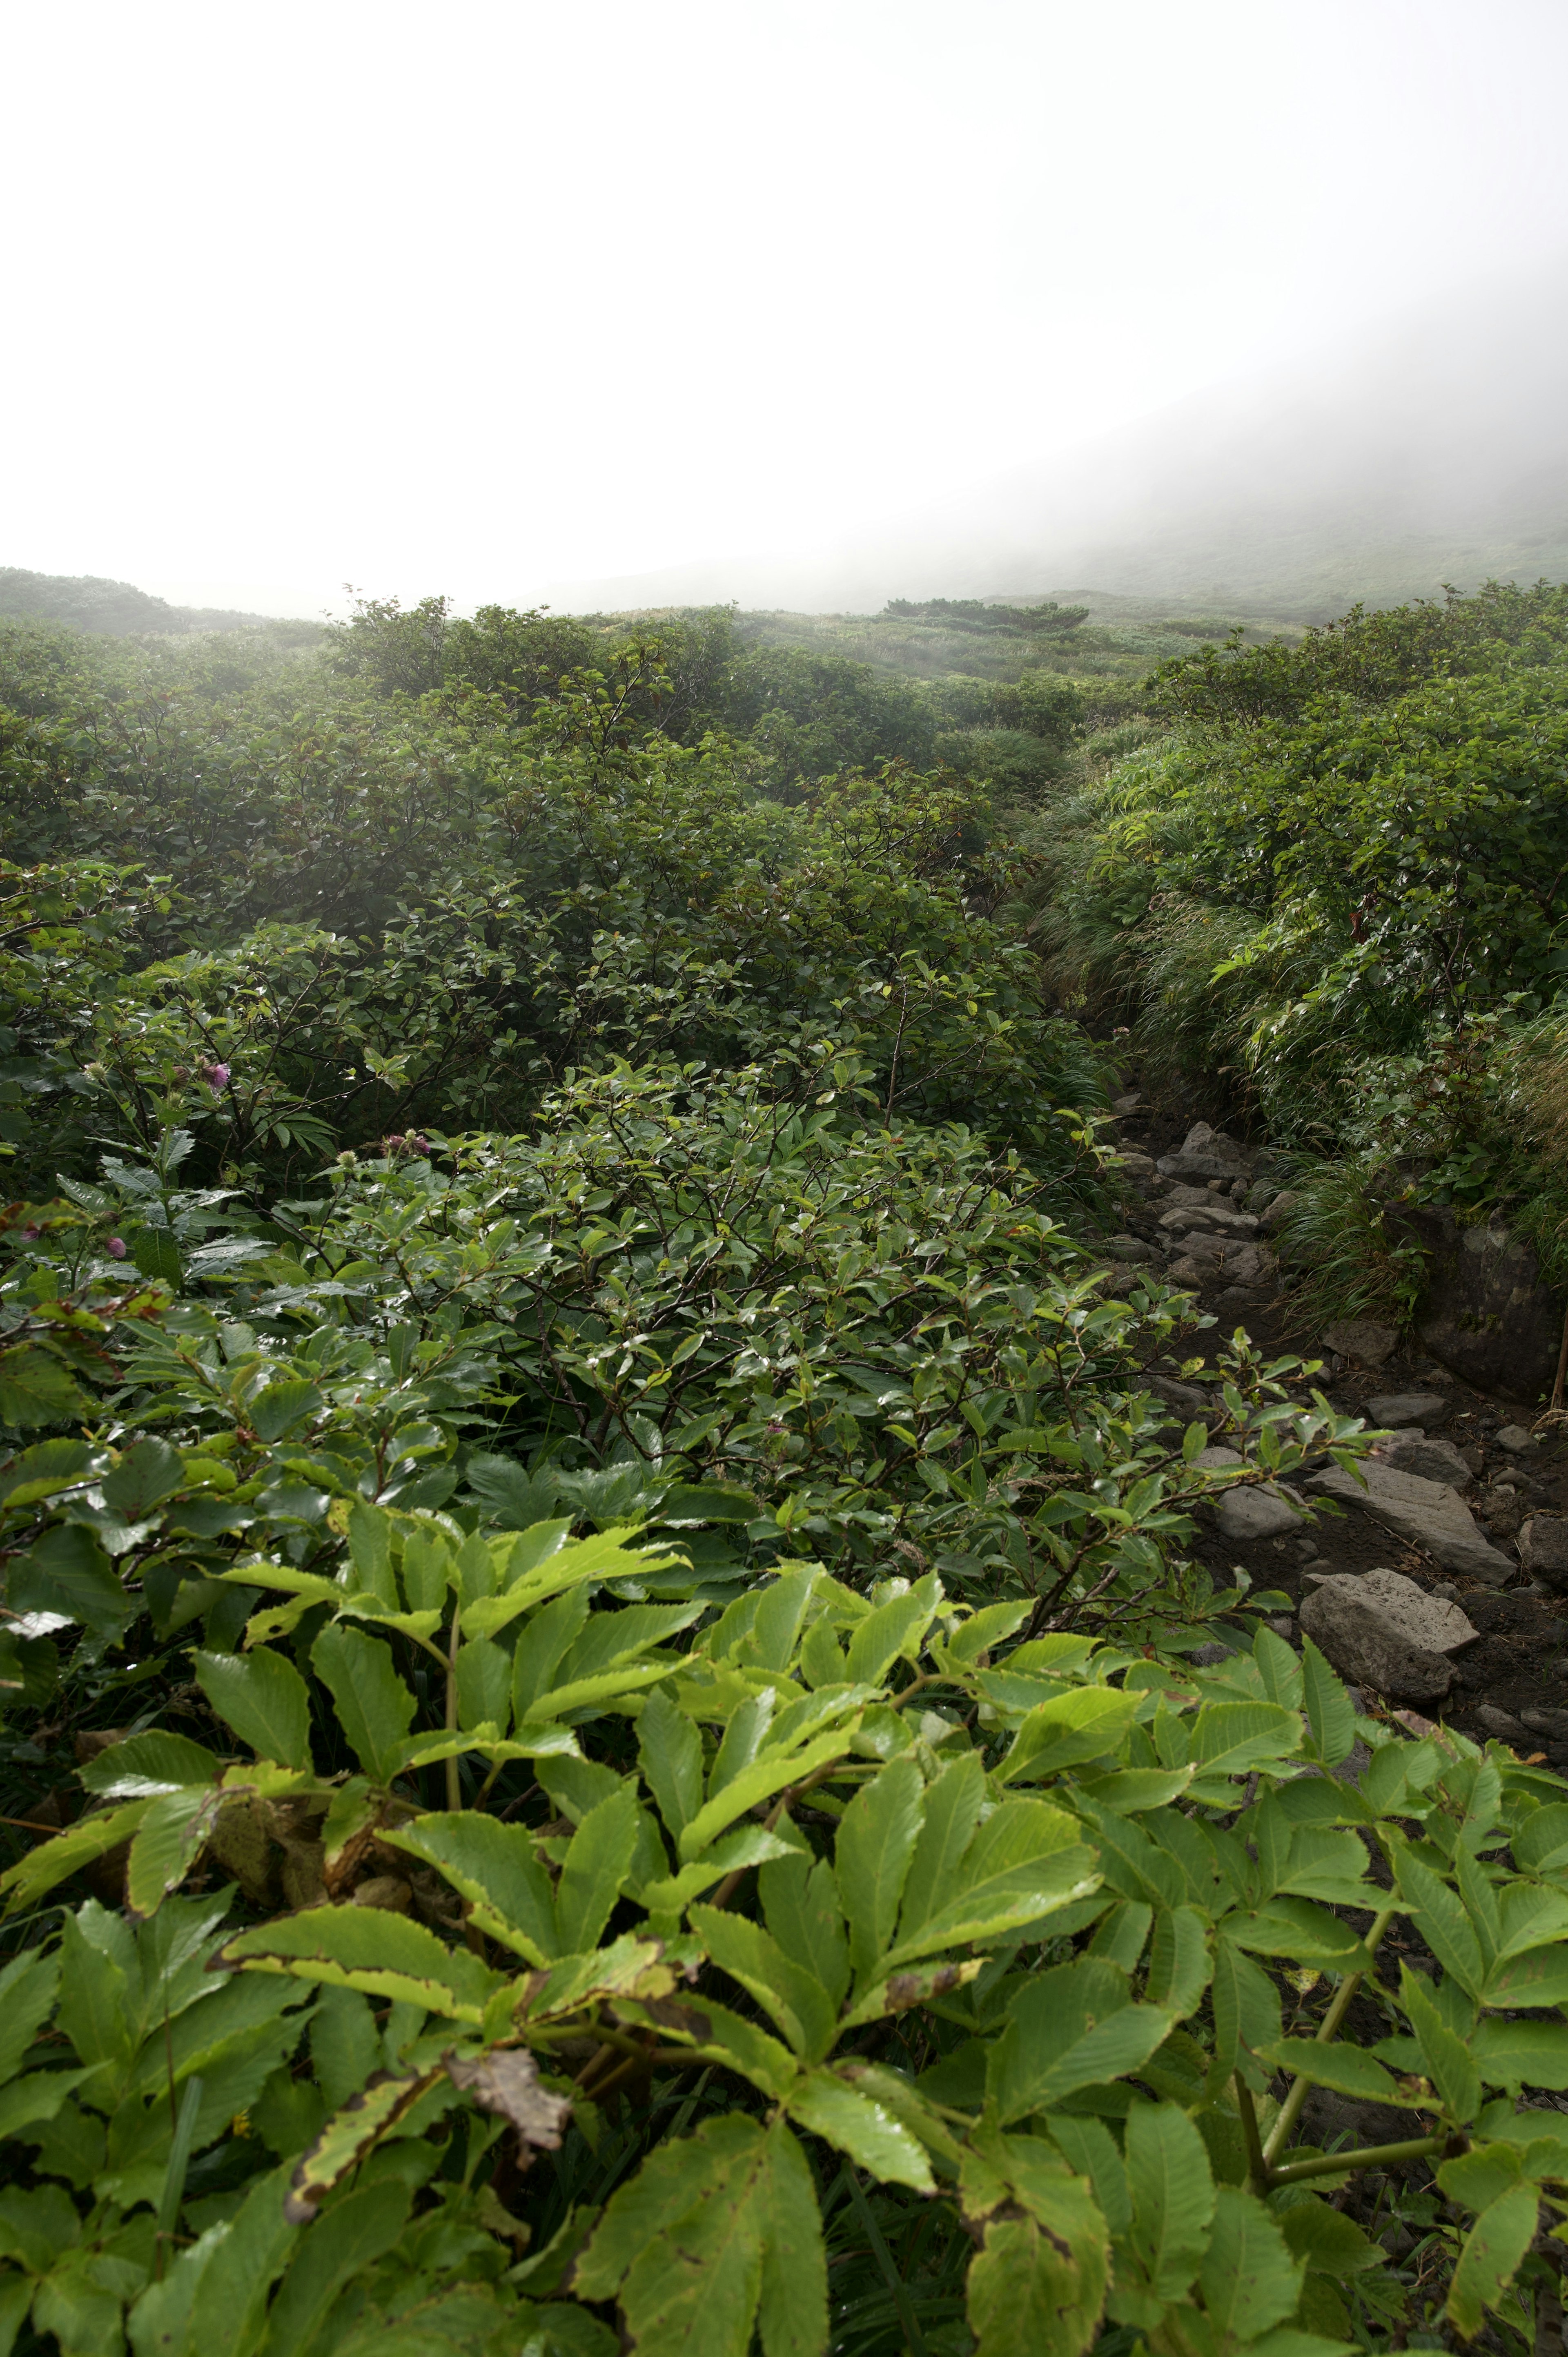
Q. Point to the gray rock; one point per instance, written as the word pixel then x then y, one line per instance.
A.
pixel 1219 1219
pixel 1207 1152
pixel 1279 1210
pixel 1363 1338
pixel 1130 1248
pixel 1394 1408
pixel 1136 1166
pixel 1515 1438
pixel 1427 1513
pixel 1177 1194
pixel 1485 1313
pixel 1367 1640
pixel 1553 1724
pixel 1259 1513
pixel 1439 1622
pixel 1194 1405
pixel 1218 1460
pixel 1501 1510
pixel 1543 1551
pixel 1129 1103
pixel 1209 1258
pixel 1434 1460
pixel 1503 1723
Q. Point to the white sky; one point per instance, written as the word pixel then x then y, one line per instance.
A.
pixel 477 297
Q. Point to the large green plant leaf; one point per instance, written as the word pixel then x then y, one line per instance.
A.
pixel 876 1843
pixel 1069 2029
pixel 264 1698
pixel 365 1948
pixel 716 2234
pixel 495 1868
pixel 375 1709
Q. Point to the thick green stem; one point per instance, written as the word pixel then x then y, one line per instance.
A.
pixel 1256 2166
pixel 1290 2110
pixel 453 1785
pixel 1374 2156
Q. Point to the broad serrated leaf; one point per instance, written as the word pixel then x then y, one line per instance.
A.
pixel 1450 2064
pixel 49 1862
pixel 366 1948
pixel 375 1709
pixel 1330 1713
pixel 1248 2278
pixel 1230 1736
pixel 349 2135
pixel 1087 1723
pixel 1179 1965
pixel 1073 2027
pixel 597 1860
pixel 37 1388
pixel 877 1841
pixel 1490 2256
pixel 164 1845
pixel 1171 2190
pixel 1443 1924
pixel 264 1698
pixel 1025 1862
pixel 1516 2054
pixel 671 1751
pixel 874 2138
pixel 680 2245
pixel 146 1474
pixel 892 1629
pixel 772 1772
pixel 495 1868
pixel 1347 2070
pixel 147 1764
pixel 68 1572
pixel 794 2001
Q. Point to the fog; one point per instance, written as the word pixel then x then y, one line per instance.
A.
pixel 807 306
pixel 1433 451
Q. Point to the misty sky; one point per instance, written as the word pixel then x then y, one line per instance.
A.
pixel 495 295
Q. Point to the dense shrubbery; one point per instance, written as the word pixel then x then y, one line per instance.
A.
pixel 1340 882
pixel 601 1738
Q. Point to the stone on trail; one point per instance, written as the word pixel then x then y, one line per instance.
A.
pixel 1130 1248
pixel 1219 1219
pixel 1434 1460
pixel 1136 1166
pixel 1258 1514
pixel 1516 1438
pixel 1428 1513
pixel 1363 1338
pixel 1394 1408
pixel 1377 1629
pixel 1543 1551
pixel 1207 1152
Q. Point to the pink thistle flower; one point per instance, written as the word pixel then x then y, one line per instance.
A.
pixel 216 1077
pixel 115 1248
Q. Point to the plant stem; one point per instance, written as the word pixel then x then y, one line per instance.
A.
pixel 454 1784
pixel 1256 2166
pixel 1290 2110
pixel 1376 2156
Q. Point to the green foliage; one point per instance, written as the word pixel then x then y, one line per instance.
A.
pixel 599 1593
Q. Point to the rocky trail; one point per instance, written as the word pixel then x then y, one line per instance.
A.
pixel 1441 1583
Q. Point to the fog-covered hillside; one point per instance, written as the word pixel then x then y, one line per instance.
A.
pixel 1436 451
